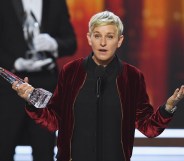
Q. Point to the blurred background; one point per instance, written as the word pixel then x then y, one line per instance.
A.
pixel 154 42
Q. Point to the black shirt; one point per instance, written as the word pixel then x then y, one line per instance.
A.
pixel 97 127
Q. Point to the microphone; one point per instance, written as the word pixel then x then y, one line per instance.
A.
pixel 99 73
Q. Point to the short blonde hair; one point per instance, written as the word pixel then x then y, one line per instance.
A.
pixel 105 18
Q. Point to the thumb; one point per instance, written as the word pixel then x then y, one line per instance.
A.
pixel 26 79
pixel 176 92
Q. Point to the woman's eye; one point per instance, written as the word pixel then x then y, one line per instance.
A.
pixel 110 36
pixel 97 36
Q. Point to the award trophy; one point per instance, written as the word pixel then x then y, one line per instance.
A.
pixel 38 98
pixel 34 60
pixel 31 28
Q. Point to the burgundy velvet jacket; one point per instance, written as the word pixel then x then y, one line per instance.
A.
pixel 136 109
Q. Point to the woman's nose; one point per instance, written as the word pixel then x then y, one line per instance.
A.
pixel 103 41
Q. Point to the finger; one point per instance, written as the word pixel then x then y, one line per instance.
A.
pixel 26 79
pixel 28 92
pixel 182 89
pixel 180 93
pixel 15 85
pixel 23 90
pixel 176 92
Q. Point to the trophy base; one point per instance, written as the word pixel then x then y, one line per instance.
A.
pixel 39 97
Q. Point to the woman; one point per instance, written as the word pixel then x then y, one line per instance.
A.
pixel 99 101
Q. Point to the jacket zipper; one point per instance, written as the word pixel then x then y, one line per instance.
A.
pixel 121 119
pixel 74 116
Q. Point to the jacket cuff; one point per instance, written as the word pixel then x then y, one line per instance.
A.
pixel 30 107
pixel 164 112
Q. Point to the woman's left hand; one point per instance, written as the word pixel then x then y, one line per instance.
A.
pixel 175 98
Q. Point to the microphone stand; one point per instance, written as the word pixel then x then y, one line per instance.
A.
pixel 99 131
pixel 99 127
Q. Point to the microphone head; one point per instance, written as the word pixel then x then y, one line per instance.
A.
pixel 99 71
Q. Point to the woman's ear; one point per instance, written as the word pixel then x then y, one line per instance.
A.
pixel 121 38
pixel 89 38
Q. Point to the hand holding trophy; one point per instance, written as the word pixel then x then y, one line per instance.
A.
pixel 42 48
pixel 38 97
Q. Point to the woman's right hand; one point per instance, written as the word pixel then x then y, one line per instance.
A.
pixel 23 90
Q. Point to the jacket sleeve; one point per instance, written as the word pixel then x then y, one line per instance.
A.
pixel 149 122
pixel 49 116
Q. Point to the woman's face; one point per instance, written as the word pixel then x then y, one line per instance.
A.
pixel 104 41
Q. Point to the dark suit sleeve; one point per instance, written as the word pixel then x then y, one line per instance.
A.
pixel 63 30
